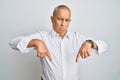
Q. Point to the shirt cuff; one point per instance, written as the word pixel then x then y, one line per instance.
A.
pixel 22 45
pixel 102 46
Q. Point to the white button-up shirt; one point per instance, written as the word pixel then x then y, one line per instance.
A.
pixel 63 51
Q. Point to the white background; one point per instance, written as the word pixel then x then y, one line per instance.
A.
pixel 99 19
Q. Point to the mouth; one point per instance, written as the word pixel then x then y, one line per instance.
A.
pixel 61 29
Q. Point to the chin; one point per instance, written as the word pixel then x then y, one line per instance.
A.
pixel 63 33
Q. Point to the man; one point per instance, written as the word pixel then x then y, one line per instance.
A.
pixel 59 49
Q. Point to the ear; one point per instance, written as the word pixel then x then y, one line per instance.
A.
pixel 52 19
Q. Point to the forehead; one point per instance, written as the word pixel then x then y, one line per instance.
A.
pixel 63 12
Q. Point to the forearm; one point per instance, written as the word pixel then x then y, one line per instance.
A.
pixel 92 44
pixel 33 43
pixel 23 45
pixel 98 45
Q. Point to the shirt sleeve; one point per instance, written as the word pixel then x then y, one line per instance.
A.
pixel 102 46
pixel 20 43
pixel 14 42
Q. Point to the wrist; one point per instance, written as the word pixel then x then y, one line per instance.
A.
pixel 91 42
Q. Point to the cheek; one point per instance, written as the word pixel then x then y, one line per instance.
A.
pixel 57 24
pixel 67 25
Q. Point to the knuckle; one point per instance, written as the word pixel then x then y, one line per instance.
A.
pixel 38 55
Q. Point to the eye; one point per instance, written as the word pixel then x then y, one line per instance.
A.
pixel 60 19
pixel 67 20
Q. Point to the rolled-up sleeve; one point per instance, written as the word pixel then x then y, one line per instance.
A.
pixel 21 43
pixel 102 46
pixel 14 42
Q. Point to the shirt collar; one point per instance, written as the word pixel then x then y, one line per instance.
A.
pixel 53 34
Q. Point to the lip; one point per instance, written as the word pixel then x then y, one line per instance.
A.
pixel 61 29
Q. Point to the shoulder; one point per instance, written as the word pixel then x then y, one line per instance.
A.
pixel 77 35
pixel 45 33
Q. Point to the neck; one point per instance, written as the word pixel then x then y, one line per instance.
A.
pixel 62 36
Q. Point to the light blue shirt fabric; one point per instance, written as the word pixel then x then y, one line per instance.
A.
pixel 63 51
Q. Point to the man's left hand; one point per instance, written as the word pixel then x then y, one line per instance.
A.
pixel 84 51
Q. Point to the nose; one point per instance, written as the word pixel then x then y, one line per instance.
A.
pixel 63 23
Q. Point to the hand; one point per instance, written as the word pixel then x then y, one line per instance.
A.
pixel 41 48
pixel 42 51
pixel 84 51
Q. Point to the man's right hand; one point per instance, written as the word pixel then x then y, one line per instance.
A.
pixel 41 48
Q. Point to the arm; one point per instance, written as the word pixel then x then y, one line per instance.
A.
pixel 28 43
pixel 41 48
pixel 85 49
pixel 14 42
pixel 20 43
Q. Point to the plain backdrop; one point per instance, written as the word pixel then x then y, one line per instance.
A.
pixel 99 19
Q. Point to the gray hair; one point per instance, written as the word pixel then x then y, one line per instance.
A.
pixel 60 6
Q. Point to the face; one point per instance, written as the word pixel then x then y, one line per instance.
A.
pixel 61 21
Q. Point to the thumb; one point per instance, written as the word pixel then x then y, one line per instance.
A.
pixel 77 57
pixel 49 56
